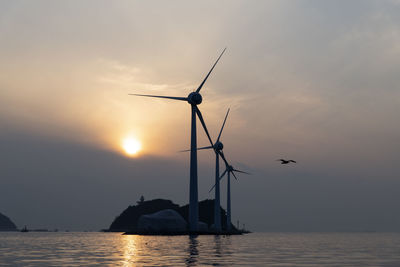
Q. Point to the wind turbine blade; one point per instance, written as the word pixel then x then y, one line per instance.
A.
pixel 219 179
pixel 223 158
pixel 205 79
pixel 222 175
pixel 200 148
pixel 236 170
pixel 206 147
pixel 234 175
pixel 220 132
pixel 159 96
pixel 204 124
pixel 211 188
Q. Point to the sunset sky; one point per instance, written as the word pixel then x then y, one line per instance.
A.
pixel 315 81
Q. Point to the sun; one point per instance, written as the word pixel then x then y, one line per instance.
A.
pixel 131 146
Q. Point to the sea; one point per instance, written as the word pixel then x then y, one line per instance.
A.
pixel 255 249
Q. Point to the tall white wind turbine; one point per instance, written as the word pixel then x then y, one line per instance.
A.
pixel 194 99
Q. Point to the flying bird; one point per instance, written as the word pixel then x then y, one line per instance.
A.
pixel 284 161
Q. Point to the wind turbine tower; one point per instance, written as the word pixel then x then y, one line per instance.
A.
pixel 194 99
pixel 217 147
pixel 230 170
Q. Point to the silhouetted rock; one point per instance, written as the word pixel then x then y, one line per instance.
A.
pixel 127 221
pixel 6 224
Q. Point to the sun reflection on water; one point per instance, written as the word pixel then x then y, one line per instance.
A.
pixel 132 243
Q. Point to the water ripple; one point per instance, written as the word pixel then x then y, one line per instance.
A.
pixel 257 249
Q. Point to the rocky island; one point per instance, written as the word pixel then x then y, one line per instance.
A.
pixel 6 224
pixel 161 216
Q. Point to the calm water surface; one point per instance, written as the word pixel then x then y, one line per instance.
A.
pixel 257 249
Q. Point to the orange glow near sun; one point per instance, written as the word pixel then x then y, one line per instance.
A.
pixel 131 146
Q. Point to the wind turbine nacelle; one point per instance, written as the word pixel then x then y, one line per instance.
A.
pixel 218 146
pixel 195 98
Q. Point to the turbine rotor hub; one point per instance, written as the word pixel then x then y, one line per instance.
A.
pixel 230 168
pixel 195 98
pixel 218 146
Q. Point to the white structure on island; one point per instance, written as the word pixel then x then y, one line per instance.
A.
pixel 163 221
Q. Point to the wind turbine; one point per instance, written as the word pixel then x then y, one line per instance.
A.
pixel 194 99
pixel 217 147
pixel 230 170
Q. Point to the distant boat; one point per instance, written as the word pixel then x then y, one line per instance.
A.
pixel 24 229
